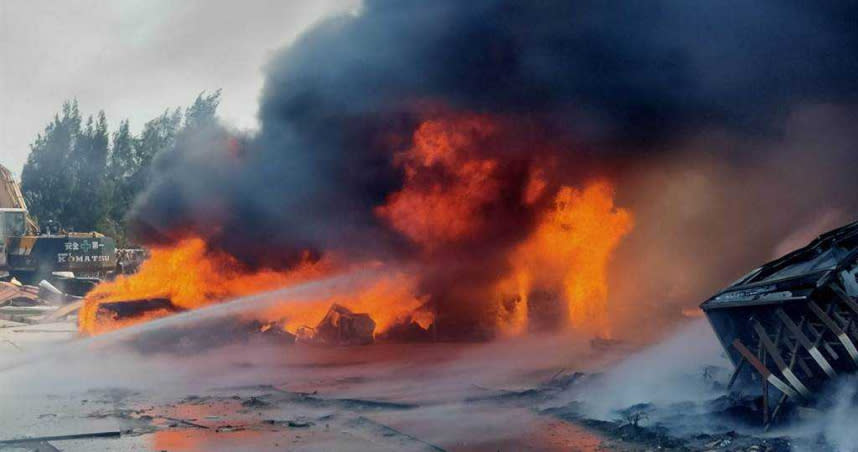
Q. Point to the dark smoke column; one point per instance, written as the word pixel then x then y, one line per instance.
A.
pixel 620 83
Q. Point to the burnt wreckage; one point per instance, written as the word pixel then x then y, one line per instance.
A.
pixel 792 324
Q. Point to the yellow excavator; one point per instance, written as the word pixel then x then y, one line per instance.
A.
pixel 30 256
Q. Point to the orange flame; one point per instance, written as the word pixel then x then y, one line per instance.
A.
pixel 568 253
pixel 191 277
pixel 452 185
pixel 432 211
pixel 449 184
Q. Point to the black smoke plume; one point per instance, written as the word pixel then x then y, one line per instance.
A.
pixel 727 126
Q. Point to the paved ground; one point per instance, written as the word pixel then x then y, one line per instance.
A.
pixel 193 394
pixel 272 397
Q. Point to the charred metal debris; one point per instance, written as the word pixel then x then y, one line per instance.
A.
pixel 791 325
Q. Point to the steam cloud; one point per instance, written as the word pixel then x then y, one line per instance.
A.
pixel 728 127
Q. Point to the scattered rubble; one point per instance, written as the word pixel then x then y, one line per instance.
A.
pixel 210 334
pixel 15 294
pixel 409 332
pixel 340 326
pixel 131 309
pixel 44 303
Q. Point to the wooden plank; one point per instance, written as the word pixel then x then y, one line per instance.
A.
pixel 186 422
pixel 819 342
pixel 776 411
pixel 846 324
pixel 761 368
pixel 811 348
pixel 783 398
pixel 736 373
pixel 773 351
pixel 794 355
pixel 751 358
pixel 62 312
pixel 805 342
pixel 846 318
pixel 846 299
pixel 761 354
pixel 805 368
pixel 832 325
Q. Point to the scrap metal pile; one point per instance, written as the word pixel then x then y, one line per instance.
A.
pixel 45 303
pixel 791 325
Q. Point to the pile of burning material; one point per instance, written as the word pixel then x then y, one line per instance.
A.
pixel 791 325
pixel 209 334
pixel 339 327
pixel 191 276
pixel 129 311
pixel 483 235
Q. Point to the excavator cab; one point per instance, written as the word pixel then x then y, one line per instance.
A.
pixel 13 223
pixel 30 256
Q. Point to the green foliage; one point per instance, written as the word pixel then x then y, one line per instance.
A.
pixel 45 179
pixel 86 178
pixel 203 111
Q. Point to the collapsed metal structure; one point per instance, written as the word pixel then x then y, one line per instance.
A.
pixel 792 324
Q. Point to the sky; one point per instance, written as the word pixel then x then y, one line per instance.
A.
pixel 135 58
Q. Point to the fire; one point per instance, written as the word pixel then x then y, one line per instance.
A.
pixel 449 191
pixel 191 276
pixel 466 202
pixel 446 184
pixel 567 255
pixel 388 300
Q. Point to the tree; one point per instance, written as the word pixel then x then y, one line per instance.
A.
pixel 122 165
pixel 203 112
pixel 46 180
pixel 88 201
pixel 87 178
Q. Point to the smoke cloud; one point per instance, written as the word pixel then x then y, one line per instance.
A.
pixel 727 127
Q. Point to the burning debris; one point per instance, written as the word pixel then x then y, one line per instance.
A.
pixel 497 169
pixel 132 311
pixel 556 276
pixel 340 326
pixel 791 325
pixel 190 276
